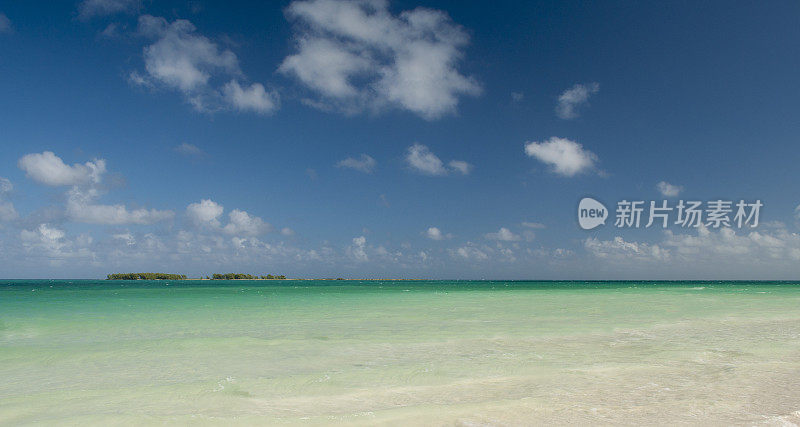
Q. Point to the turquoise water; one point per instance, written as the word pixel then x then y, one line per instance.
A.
pixel 399 352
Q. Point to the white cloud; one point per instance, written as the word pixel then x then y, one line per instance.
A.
pixel 326 67
pixel 364 163
pixel 356 55
pixel 190 150
pixel 127 237
pixel 573 98
pixel 5 24
pixel 504 235
pixel 725 244
pixel 286 231
pixel 47 168
pixel 243 224
pixel 254 98
pixel 357 250
pixel 81 208
pixel 180 57
pixel 421 159
pixel 49 242
pixel 205 213
pixel 469 252
pixel 777 250
pixel 434 233
pixel 566 157
pixel 669 190
pixel 460 166
pixel 45 234
pixel 517 96
pixel 91 8
pixel 184 60
pixel 618 248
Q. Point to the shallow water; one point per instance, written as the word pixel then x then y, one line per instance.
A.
pixel 399 352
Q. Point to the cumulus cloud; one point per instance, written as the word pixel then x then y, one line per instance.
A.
pixel 357 250
pixel 470 252
pixel 93 8
pixel 205 213
pixel 726 243
pixel 84 179
pixel 363 163
pixel 503 235
pixel 81 207
pixel 357 55
pixel 254 98
pixel 127 237
pixel 5 24
pixel 421 159
pixel 618 249
pixel 243 224
pixel 47 168
pixel 46 236
pixel 570 101
pixel 434 233
pixel 669 190
pixel 182 59
pixel 50 243
pixel 567 158
pixel 753 251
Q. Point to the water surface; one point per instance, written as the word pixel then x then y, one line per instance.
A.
pixel 399 352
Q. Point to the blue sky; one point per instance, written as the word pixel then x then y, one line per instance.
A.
pixel 120 118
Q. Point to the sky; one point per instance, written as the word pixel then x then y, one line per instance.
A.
pixel 395 139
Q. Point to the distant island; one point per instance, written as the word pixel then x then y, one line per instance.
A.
pixel 170 276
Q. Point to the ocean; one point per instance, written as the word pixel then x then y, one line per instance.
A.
pixel 96 352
